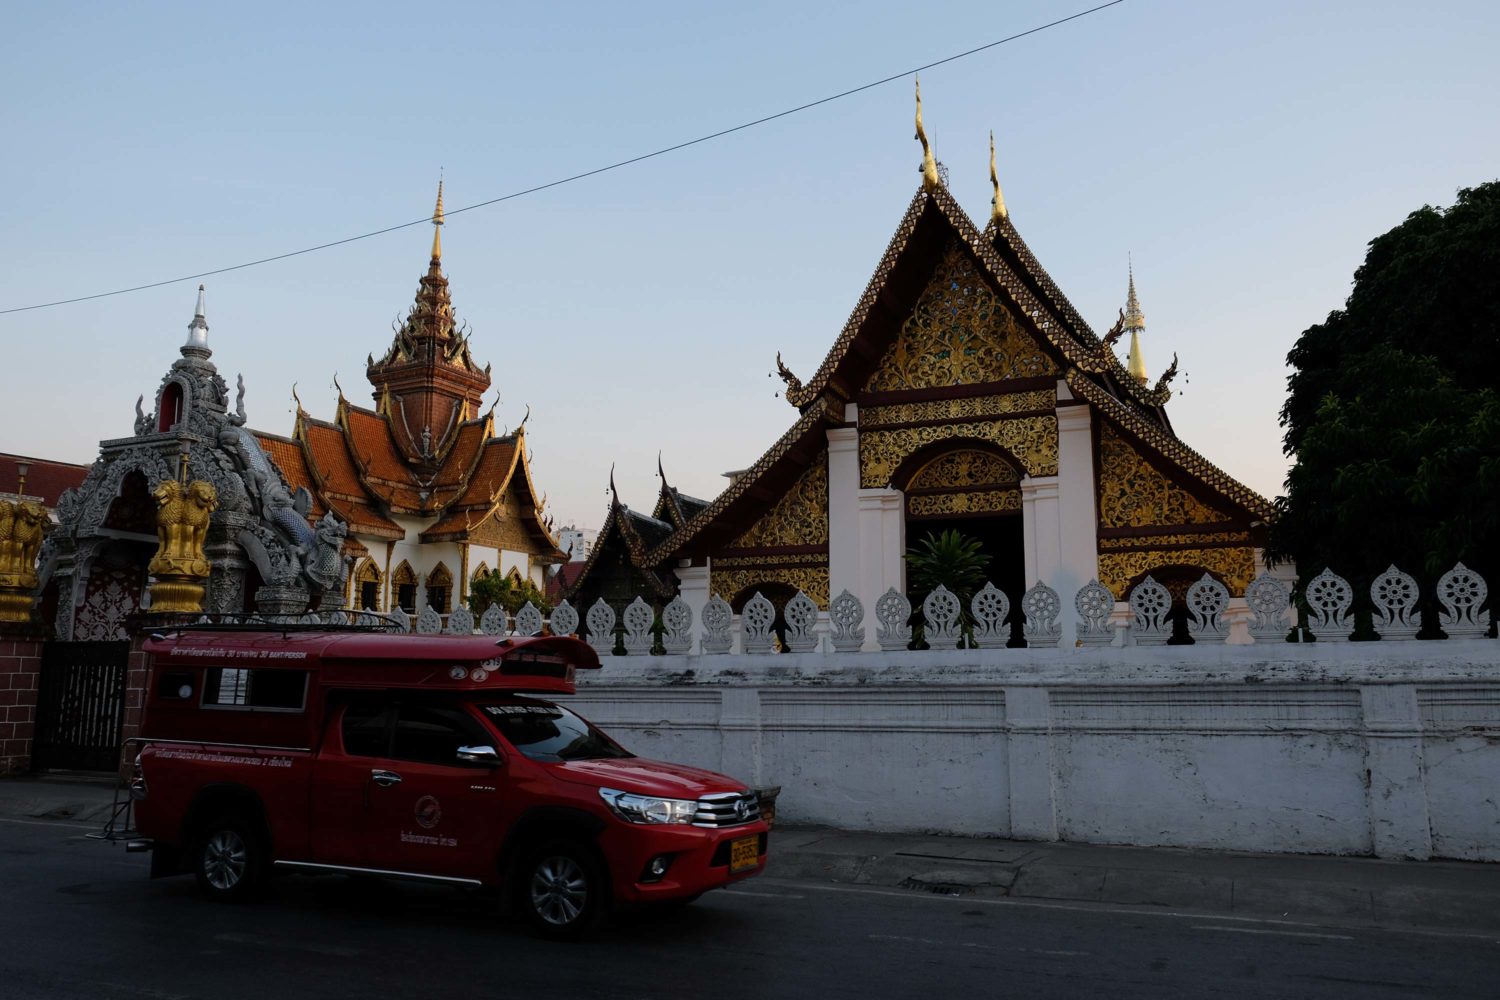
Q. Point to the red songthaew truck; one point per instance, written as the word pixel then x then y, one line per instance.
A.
pixel 432 757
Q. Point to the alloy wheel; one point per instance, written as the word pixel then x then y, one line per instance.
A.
pixel 559 890
pixel 224 859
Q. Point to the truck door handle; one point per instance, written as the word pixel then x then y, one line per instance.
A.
pixel 385 778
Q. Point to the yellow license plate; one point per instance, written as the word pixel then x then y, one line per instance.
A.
pixel 744 854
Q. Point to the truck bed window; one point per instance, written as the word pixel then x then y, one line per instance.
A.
pixel 245 688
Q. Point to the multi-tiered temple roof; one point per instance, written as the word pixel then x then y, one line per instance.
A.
pixel 425 452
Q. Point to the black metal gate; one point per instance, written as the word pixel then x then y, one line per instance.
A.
pixel 80 702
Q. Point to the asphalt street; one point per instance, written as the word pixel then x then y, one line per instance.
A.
pixel 79 919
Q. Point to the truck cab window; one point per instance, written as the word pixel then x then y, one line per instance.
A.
pixel 367 729
pixel 432 734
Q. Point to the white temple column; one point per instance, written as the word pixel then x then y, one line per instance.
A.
pixel 843 510
pixel 1078 519
pixel 882 547
pixel 1042 527
pixel 693 588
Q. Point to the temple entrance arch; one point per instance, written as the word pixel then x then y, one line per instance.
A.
pixel 973 487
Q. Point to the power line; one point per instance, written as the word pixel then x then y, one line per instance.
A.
pixel 575 177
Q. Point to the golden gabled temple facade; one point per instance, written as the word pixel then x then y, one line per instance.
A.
pixel 965 391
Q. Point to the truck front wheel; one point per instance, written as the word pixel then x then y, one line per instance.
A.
pixel 229 861
pixel 562 889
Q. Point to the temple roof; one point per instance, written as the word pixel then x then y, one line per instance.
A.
pixel 639 535
pixel 45 478
pixel 1002 257
pixel 672 504
pixel 745 499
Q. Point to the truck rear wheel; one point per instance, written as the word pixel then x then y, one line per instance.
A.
pixel 229 859
pixel 562 889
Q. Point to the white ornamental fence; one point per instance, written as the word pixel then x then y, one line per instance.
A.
pixel 1143 619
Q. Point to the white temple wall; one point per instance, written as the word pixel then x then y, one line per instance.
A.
pixel 1357 748
pixel 844 551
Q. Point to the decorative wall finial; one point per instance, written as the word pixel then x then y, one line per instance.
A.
pixel 929 165
pixel 437 222
pixel 997 203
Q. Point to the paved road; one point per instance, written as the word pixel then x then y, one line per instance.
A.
pixel 78 919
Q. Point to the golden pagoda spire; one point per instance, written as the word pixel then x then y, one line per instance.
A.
pixel 437 221
pixel 997 203
pixel 929 165
pixel 1135 322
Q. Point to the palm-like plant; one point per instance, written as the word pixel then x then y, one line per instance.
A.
pixel 952 559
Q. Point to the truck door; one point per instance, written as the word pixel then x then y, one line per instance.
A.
pixel 355 746
pixel 429 812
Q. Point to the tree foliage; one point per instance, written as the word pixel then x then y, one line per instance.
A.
pixel 1393 414
pixel 511 594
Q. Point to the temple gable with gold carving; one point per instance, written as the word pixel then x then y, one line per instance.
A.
pixel 965 391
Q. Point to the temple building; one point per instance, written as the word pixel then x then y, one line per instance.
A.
pixel 402 505
pixel 432 494
pixel 965 392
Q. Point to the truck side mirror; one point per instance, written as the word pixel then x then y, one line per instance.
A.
pixel 480 755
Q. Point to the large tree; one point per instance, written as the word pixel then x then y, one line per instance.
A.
pixel 1393 414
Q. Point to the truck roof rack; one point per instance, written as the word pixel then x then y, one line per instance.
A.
pixel 312 621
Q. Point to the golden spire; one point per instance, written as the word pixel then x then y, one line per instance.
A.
pixel 437 221
pixel 929 165
pixel 1135 322
pixel 997 210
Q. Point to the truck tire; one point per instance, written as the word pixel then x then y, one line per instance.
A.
pixel 561 889
pixel 229 858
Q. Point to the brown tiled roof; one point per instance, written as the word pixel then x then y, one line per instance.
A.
pixel 338 480
pixel 561 582
pixel 380 466
pixel 46 479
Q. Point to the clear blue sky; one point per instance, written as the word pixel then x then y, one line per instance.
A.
pixel 1244 153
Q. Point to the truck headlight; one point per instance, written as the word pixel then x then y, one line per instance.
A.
pixel 648 808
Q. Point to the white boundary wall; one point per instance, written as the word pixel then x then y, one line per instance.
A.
pixel 1390 749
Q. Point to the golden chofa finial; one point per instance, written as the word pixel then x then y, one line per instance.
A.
pixel 437 221
pixel 997 211
pixel 929 165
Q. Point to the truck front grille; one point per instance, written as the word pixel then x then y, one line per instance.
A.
pixel 727 809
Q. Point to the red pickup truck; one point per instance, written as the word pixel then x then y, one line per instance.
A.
pixel 439 758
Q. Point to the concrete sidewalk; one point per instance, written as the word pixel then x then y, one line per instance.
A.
pixel 1432 895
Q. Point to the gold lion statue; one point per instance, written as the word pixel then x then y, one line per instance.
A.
pixel 182 514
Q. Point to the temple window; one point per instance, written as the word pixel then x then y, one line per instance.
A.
pixel 439 589
pixel 405 581
pixel 169 407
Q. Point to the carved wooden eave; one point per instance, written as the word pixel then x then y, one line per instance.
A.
pixel 1194 466
pixel 932 220
pixel 674 506
pixel 481 500
pixel 620 522
pixel 739 505
pixel 1004 236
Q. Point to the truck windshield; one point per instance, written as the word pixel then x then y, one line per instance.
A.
pixel 546 732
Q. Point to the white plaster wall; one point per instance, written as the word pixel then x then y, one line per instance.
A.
pixel 1385 748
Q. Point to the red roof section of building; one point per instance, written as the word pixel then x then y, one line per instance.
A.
pixel 380 466
pixel 338 480
pixel 46 479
